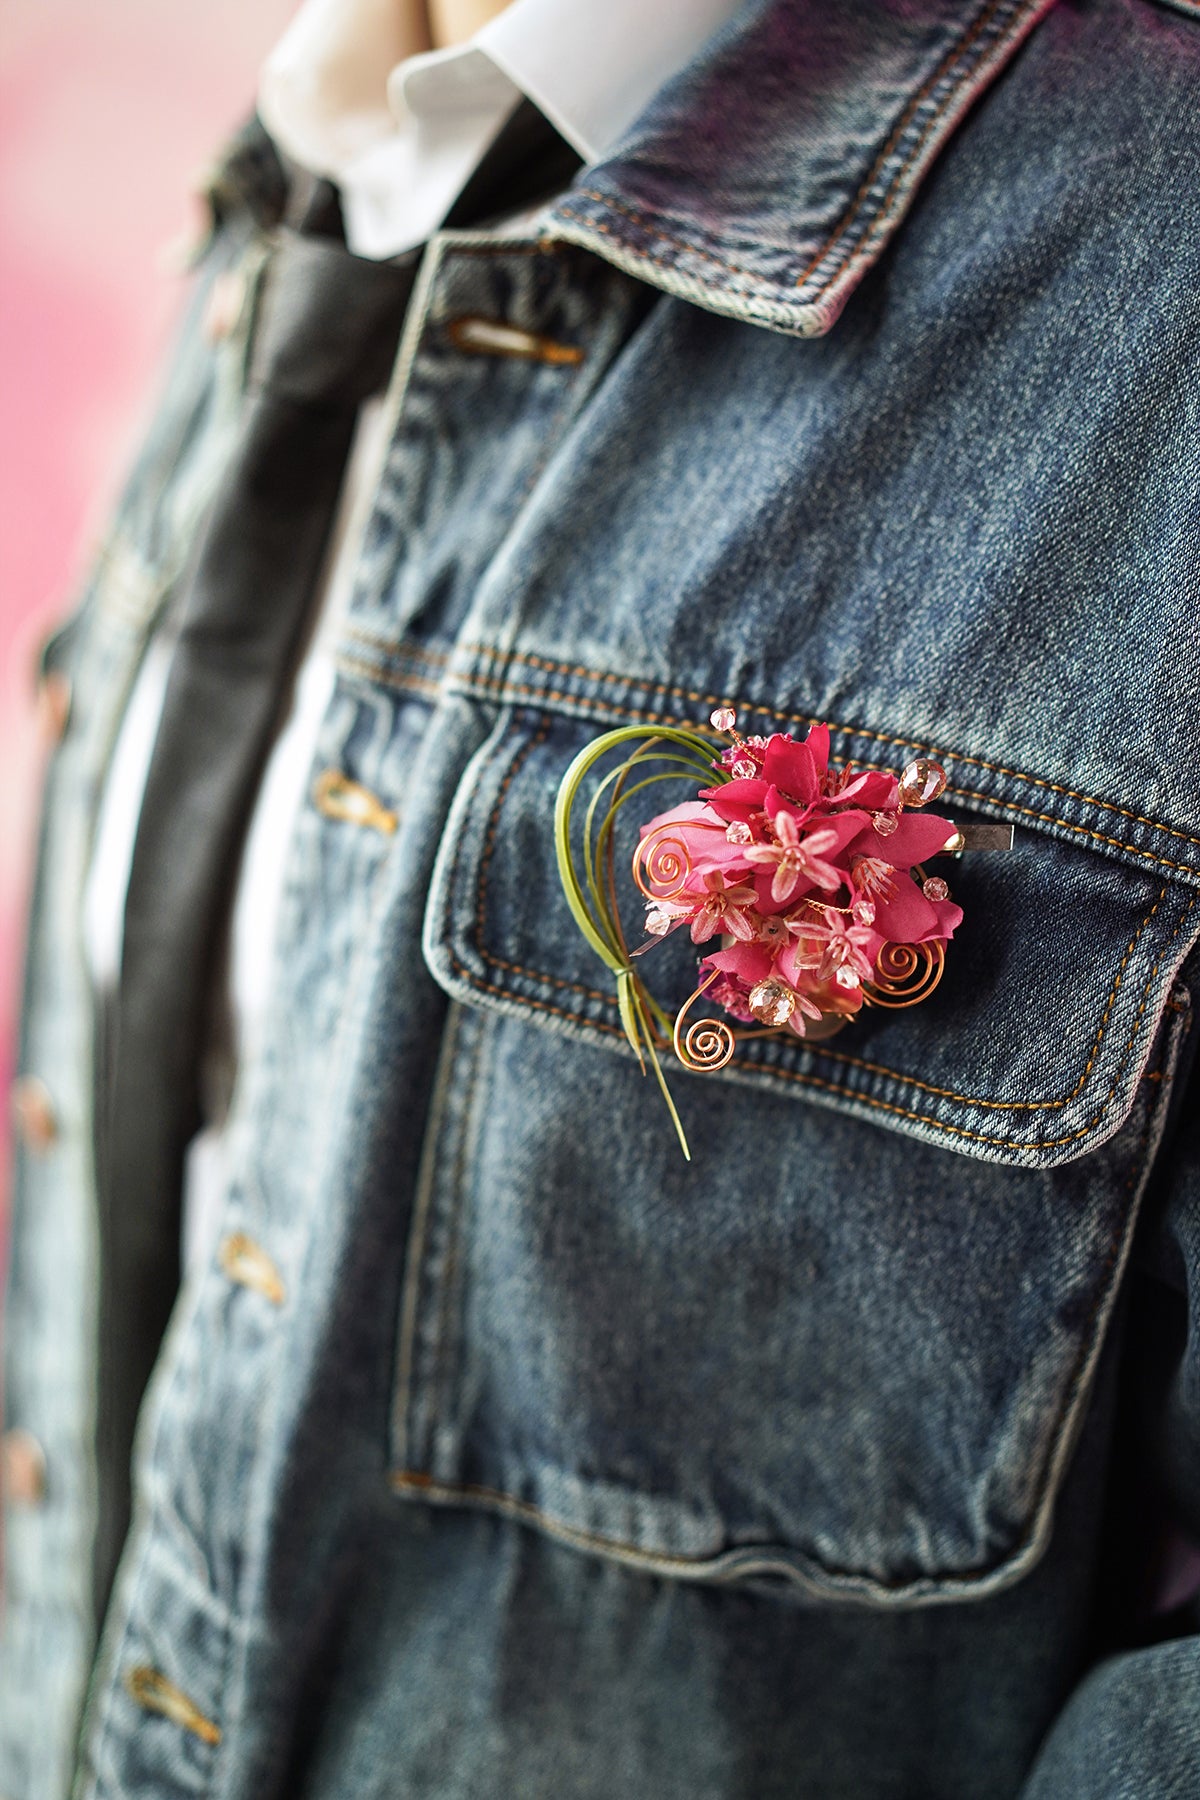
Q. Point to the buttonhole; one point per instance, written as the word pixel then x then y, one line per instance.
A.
pixel 492 337
pixel 151 1689
pixel 245 1261
pixel 338 797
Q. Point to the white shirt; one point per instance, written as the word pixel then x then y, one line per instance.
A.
pixel 400 137
pixel 400 134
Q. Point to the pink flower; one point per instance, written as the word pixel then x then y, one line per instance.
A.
pixel 720 910
pixel 727 991
pixel 737 801
pixel 916 837
pixel 792 768
pixel 871 877
pixel 835 949
pixel 796 859
pixel 679 848
pixel 872 789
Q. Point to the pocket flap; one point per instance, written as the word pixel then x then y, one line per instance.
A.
pixel 1029 1051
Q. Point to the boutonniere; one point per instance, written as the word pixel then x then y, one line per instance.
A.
pixel 804 886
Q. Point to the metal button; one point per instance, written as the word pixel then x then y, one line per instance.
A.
pixel 34 1118
pixel 224 306
pixel 53 706
pixel 22 1468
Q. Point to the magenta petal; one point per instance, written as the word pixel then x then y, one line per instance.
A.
pixel 792 767
pixel 776 803
pixel 702 832
pixel 844 826
pixel 906 916
pixel 917 837
pixel 752 962
pixel 817 743
pixel 736 800
pixel 949 918
pixel 872 789
pixel 763 880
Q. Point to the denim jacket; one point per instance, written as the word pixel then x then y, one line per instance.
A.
pixel 496 1451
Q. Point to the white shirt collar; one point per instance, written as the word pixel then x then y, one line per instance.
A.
pixel 347 93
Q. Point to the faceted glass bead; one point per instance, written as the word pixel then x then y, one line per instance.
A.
pixel 724 719
pixel 737 833
pixel 935 888
pixel 658 923
pixel 885 823
pixel 771 1002
pixel 864 912
pixel 744 769
pixel 921 782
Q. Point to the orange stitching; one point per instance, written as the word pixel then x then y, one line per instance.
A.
pixel 574 987
pixel 402 647
pixel 813 1080
pixel 442 1389
pixel 405 684
pixel 654 225
pixel 530 744
pixel 416 1482
pixel 956 50
pixel 833 1087
pixel 1016 1105
pixel 527 748
pixel 910 1081
pixel 500 686
pixel 403 1479
pixel 493 654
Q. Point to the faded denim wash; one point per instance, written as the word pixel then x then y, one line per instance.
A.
pixel 827 1464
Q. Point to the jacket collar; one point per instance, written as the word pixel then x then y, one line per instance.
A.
pixel 765 180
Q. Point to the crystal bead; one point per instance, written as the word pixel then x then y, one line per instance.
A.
pixel 864 912
pixel 846 977
pixel 771 1002
pixel 724 719
pixel 658 923
pixel 935 888
pixel 885 823
pixel 744 769
pixel 737 833
pixel 921 782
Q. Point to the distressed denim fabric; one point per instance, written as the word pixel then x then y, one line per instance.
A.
pixel 498 1451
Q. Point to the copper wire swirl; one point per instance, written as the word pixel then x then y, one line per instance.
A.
pixel 905 974
pixel 707 1044
pixel 664 861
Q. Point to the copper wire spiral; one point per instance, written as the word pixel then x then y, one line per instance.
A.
pixel 661 865
pixel 707 1044
pixel 905 974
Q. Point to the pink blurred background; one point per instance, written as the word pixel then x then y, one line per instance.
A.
pixel 107 113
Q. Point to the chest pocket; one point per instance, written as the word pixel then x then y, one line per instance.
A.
pixel 850 1343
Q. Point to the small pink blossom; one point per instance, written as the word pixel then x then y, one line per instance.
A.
pixel 721 910
pixel 796 859
pixel 835 949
